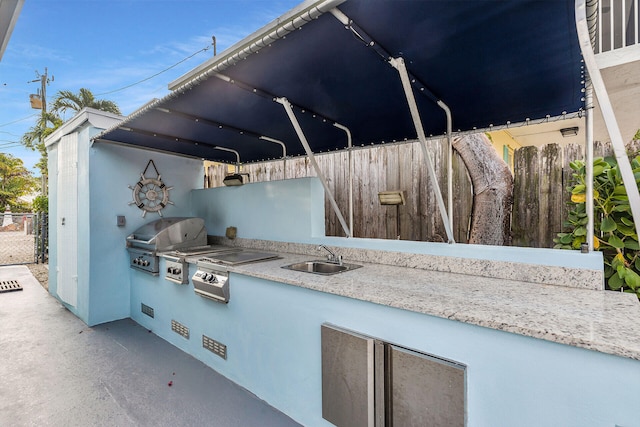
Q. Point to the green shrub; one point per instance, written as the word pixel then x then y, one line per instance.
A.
pixel 41 204
pixel 614 230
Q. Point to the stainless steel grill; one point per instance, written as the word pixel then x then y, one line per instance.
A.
pixel 162 235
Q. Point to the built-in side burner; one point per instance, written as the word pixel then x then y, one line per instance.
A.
pixel 177 267
pixel 211 280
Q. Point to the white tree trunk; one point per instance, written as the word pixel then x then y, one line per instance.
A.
pixel 492 190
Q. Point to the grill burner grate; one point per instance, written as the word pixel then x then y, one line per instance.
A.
pixel 9 286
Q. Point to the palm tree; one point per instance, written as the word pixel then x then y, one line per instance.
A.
pixel 47 123
pixel 67 100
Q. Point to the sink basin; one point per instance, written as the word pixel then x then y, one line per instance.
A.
pixel 321 267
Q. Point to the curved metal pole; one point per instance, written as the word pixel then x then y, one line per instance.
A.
pixel 350 160
pixel 231 150
pixel 284 152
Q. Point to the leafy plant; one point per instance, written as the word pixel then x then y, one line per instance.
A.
pixel 41 204
pixel 614 230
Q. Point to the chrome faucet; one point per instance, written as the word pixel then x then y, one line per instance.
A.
pixel 332 258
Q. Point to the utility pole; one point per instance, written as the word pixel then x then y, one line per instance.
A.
pixel 39 102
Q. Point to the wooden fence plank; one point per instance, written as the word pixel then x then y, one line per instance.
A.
pixel 551 192
pixel 524 222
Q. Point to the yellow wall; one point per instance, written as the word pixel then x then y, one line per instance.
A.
pixel 502 142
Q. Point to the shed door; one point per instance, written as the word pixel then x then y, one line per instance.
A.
pixel 67 221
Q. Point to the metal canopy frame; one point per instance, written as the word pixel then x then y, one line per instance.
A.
pixel 407 79
pixel 334 87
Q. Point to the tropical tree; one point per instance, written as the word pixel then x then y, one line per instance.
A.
pixel 67 100
pixel 47 123
pixel 15 181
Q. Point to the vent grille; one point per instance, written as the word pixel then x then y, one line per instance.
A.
pixel 147 310
pixel 180 329
pixel 214 346
pixel 10 286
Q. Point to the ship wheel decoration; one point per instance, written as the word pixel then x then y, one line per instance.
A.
pixel 150 194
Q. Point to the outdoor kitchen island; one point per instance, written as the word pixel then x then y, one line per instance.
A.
pixel 534 353
pixel 510 336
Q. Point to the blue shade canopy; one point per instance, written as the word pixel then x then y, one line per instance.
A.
pixel 491 62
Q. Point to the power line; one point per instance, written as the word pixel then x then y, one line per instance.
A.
pixel 156 74
pixel 10 145
pixel 19 120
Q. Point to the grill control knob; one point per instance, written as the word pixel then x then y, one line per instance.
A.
pixel 136 261
pixel 145 263
pixel 177 270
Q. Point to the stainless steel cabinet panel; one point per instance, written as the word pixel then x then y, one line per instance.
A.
pixel 367 382
pixel 424 390
pixel 347 378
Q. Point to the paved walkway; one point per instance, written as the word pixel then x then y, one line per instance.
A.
pixel 56 371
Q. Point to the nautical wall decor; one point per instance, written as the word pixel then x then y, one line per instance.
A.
pixel 150 194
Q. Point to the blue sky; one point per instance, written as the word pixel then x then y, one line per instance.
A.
pixel 105 45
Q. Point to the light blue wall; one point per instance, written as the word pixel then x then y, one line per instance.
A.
pixel 113 169
pixel 287 210
pixel 104 173
pixel 272 333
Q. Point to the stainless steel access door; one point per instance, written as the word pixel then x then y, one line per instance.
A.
pixel 423 390
pixel 367 382
pixel 347 378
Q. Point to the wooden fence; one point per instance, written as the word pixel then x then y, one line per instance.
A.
pixel 541 177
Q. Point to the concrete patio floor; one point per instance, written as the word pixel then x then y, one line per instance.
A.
pixel 56 371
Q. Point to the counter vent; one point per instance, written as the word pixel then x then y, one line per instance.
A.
pixel 146 310
pixel 214 346
pixel 180 329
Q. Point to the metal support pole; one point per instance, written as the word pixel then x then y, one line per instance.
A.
pixel 589 161
pixel 303 139
pixel 608 115
pixel 447 112
pixel 350 160
pixel 399 64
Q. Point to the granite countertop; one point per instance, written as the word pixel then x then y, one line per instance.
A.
pixel 603 321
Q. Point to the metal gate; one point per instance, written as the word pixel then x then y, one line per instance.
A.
pixel 23 238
